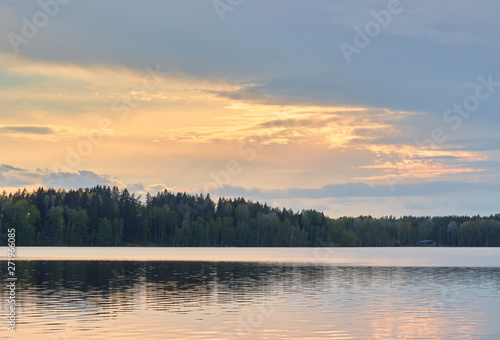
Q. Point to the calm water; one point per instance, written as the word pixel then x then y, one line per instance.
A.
pixel 255 293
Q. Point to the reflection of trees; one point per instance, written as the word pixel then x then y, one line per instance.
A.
pixel 110 287
pixel 105 287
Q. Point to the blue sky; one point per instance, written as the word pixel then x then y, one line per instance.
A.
pixel 257 99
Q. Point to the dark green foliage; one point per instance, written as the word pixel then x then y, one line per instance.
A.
pixel 104 216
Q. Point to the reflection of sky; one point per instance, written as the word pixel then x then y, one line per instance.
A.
pixel 379 256
pixel 277 96
pixel 256 301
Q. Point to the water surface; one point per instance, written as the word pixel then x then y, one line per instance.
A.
pixel 379 256
pixel 257 293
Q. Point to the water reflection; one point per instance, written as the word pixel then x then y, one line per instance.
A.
pixel 228 300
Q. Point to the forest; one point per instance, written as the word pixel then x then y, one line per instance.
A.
pixel 105 216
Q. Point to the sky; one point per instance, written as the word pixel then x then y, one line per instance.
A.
pixel 349 107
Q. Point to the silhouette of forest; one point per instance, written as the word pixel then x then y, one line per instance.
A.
pixel 105 216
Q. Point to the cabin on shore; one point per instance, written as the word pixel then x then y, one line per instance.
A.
pixel 426 243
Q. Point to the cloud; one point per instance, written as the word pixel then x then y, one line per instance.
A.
pixel 356 190
pixel 51 133
pixel 461 23
pixel 283 84
pixel 354 199
pixel 37 130
pixel 287 124
pixel 80 179
pixel 387 138
pixel 484 144
pixel 153 189
pixel 7 168
pixel 348 199
pixel 440 205
pixel 12 178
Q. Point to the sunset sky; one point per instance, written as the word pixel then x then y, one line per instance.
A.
pixel 349 107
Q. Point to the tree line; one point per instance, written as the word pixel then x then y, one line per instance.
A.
pixel 105 216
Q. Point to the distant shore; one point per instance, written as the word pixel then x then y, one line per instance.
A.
pixel 105 216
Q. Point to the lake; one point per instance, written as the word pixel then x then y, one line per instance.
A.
pixel 254 293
